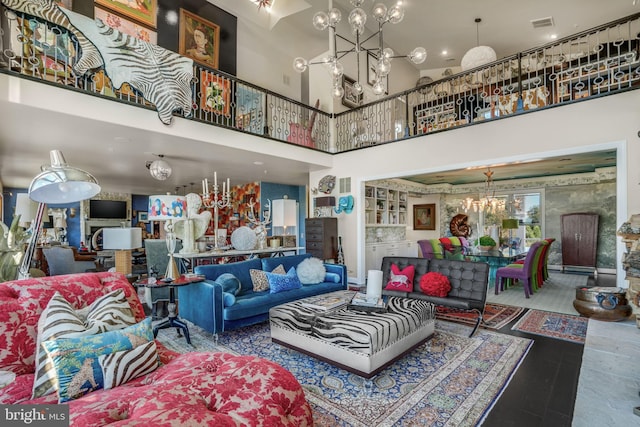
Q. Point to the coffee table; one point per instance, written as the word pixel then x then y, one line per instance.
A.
pixel 360 342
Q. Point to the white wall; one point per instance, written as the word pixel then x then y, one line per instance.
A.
pixel 415 235
pixel 607 122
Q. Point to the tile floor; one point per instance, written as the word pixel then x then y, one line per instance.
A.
pixel 544 390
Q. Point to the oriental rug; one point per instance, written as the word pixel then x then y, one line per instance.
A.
pixel 554 325
pixel 450 380
pixel 495 315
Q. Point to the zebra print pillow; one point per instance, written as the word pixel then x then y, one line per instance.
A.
pixel 75 360
pixel 123 366
pixel 61 320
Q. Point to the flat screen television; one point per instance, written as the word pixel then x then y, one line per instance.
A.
pixel 108 209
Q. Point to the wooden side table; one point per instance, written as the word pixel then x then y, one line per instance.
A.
pixel 172 321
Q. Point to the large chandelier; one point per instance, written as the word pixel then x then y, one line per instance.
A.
pixel 357 21
pixel 488 201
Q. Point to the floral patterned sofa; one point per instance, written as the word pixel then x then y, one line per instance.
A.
pixel 185 390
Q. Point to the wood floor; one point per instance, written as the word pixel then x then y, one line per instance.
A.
pixel 543 390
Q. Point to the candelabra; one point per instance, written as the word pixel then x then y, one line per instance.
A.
pixel 216 200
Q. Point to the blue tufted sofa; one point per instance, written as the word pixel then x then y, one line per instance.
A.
pixel 469 281
pixel 202 303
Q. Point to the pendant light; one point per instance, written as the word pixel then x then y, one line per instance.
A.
pixel 479 55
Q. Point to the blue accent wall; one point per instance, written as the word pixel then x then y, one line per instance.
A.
pixel 298 193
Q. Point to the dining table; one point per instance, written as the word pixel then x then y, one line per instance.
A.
pixel 496 258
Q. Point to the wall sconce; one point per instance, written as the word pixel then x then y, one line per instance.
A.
pixel 73 212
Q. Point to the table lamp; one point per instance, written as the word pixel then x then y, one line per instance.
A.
pixel 26 208
pixel 510 224
pixel 57 183
pixel 168 207
pixel 122 240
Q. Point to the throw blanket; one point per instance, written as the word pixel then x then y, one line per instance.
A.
pixel 162 77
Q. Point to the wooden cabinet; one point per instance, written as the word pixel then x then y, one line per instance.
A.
pixel 384 206
pixel 322 237
pixel 579 240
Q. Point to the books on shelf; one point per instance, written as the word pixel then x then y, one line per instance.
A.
pixel 361 298
pixel 324 302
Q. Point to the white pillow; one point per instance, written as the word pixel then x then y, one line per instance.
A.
pixel 311 271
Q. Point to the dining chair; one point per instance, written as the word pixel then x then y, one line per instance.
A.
pixel 542 272
pixel 525 273
pixel 60 260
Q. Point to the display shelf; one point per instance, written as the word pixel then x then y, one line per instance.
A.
pixel 384 206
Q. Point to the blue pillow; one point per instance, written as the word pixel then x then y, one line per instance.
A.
pixel 229 283
pixel 332 277
pixel 76 363
pixel 283 282
pixel 228 299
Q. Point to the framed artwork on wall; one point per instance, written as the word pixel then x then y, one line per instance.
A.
pixel 424 217
pixel 199 39
pixel 143 11
pixel 350 98
pixel 215 93
pixel 143 216
pixel 125 26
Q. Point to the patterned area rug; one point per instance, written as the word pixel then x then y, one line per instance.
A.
pixel 450 380
pixel 555 325
pixel 495 315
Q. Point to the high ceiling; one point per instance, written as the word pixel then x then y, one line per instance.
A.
pixel 117 154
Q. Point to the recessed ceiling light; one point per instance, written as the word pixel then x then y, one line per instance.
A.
pixel 553 36
pixel 258 163
pixel 444 52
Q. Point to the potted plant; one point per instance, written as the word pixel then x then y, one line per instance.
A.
pixel 486 243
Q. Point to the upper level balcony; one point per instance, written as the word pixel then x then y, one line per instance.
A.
pixel 598 62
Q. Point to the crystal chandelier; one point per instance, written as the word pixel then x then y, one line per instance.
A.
pixel 357 20
pixel 488 201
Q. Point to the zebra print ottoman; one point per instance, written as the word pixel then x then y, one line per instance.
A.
pixel 359 342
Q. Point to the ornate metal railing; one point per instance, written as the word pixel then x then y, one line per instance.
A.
pixel 601 61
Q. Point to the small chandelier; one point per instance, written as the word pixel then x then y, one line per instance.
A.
pixel 488 201
pixel 479 55
pixel 159 169
pixel 357 21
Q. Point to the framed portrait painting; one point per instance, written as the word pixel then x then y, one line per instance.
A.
pixel 424 217
pixel 143 11
pixel 350 98
pixel 215 93
pixel 199 39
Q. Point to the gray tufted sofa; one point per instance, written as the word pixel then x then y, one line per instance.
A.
pixel 469 281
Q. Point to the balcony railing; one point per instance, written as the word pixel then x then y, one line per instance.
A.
pixel 601 61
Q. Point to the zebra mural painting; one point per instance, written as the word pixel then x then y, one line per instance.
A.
pixel 162 77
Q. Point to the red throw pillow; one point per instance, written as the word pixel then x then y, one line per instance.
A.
pixel 435 284
pixel 401 280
